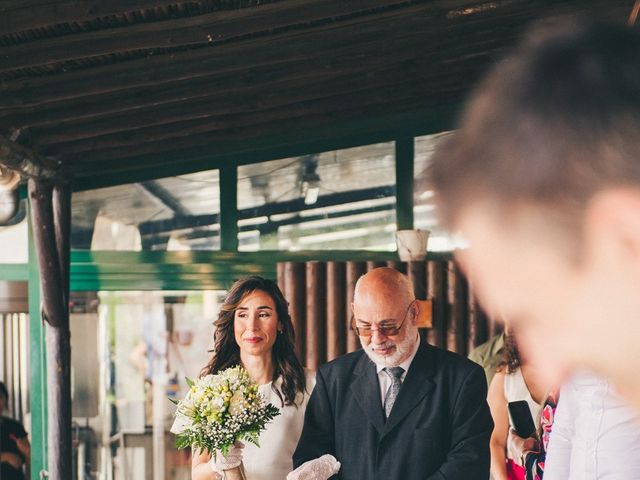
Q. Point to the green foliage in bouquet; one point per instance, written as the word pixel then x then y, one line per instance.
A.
pixel 221 409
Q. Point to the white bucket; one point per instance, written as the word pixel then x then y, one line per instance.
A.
pixel 412 244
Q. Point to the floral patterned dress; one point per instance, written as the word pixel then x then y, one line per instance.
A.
pixel 534 461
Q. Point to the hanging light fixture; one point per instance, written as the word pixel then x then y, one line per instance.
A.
pixel 310 181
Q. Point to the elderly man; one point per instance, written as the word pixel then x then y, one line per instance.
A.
pixel 398 408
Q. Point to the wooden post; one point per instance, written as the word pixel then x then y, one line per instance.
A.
pixel 457 298
pixel 337 316
pixel 371 264
pixel 280 276
pixel 397 265
pixel 417 273
pixel 477 327
pixel 316 306
pixel 294 286
pixel 437 289
pixel 51 228
pixel 354 271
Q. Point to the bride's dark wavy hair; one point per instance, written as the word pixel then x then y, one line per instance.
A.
pixel 226 352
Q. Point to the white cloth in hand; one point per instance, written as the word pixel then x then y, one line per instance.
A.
pixel 220 463
pixel 321 468
pixel 517 447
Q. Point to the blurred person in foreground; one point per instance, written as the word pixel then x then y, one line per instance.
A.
pixel 398 408
pixel 542 180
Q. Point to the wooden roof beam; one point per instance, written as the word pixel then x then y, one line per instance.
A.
pixel 21 15
pixel 27 162
pixel 201 30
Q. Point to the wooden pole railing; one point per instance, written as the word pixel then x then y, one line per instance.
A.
pixel 320 296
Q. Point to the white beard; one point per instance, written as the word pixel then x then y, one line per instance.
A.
pixel 401 353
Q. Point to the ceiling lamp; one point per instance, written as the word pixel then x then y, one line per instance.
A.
pixel 310 181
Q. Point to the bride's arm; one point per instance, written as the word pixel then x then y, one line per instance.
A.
pixel 200 467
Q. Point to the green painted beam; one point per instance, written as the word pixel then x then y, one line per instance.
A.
pixel 229 208
pixel 404 183
pixel 14 272
pixel 37 368
pixel 201 270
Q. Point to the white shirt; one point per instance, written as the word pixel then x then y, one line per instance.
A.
pixel 595 435
pixel 383 378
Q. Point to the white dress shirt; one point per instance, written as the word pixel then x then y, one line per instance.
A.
pixel 595 435
pixel 383 378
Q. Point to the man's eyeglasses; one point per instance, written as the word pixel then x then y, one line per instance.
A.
pixel 388 330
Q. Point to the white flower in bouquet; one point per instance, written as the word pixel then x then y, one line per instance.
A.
pixel 221 409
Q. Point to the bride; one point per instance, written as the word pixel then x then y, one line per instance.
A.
pixel 254 329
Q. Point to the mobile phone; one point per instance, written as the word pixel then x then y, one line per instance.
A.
pixel 521 419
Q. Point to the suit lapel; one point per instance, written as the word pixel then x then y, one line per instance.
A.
pixel 366 391
pixel 416 385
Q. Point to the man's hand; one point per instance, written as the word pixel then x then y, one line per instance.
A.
pixel 518 447
pixel 322 468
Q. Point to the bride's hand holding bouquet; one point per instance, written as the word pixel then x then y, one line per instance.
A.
pixel 218 413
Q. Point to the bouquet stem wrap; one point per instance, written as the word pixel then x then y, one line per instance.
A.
pixel 236 473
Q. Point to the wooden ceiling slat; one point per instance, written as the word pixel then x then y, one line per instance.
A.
pixel 367 51
pixel 259 98
pixel 283 70
pixel 154 70
pixel 335 108
pixel 201 30
pixel 204 150
pixel 262 91
pixel 331 60
pixel 21 15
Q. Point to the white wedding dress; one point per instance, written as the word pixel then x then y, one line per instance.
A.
pixel 272 460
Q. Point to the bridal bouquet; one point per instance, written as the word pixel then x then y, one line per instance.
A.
pixel 220 410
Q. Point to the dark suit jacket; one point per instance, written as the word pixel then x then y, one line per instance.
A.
pixel 439 427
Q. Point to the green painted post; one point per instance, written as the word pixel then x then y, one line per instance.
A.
pixel 14 272
pixel 229 208
pixel 404 183
pixel 38 368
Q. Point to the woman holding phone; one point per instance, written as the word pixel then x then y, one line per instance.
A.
pixel 514 381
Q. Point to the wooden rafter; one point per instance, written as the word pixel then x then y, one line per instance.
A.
pixel 122 86
pixel 27 162
pixel 25 15
pixel 203 30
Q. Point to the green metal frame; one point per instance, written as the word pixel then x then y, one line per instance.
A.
pixel 37 367
pixel 229 208
pixel 404 183
pixel 290 144
pixel 14 272
pixel 95 270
